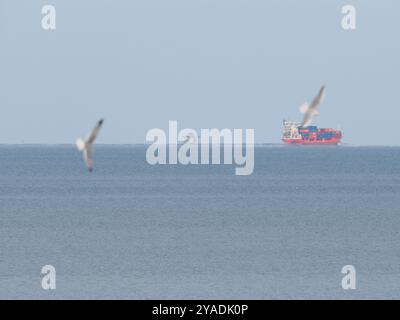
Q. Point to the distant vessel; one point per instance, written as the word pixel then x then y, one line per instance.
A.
pixel 294 133
pixel 303 133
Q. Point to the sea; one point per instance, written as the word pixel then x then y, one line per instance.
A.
pixel 130 230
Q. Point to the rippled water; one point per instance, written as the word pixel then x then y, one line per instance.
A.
pixel 131 230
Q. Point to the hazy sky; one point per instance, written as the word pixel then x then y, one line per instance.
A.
pixel 205 63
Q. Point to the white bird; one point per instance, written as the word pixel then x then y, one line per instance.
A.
pixel 311 111
pixel 86 146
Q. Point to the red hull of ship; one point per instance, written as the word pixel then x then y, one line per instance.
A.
pixel 333 141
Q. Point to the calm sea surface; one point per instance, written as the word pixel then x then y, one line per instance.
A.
pixel 132 230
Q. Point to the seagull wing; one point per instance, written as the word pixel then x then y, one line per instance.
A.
pixel 307 118
pixel 304 107
pixel 312 110
pixel 94 132
pixel 87 156
pixel 318 99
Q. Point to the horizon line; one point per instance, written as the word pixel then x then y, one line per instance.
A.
pixel 147 144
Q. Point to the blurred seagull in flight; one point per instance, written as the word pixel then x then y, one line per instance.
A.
pixel 311 111
pixel 86 146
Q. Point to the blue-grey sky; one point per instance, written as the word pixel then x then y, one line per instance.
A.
pixel 205 63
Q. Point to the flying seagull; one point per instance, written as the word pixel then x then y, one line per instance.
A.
pixel 86 146
pixel 311 111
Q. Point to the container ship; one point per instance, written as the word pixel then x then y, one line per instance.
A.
pixel 294 133
pixel 304 134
